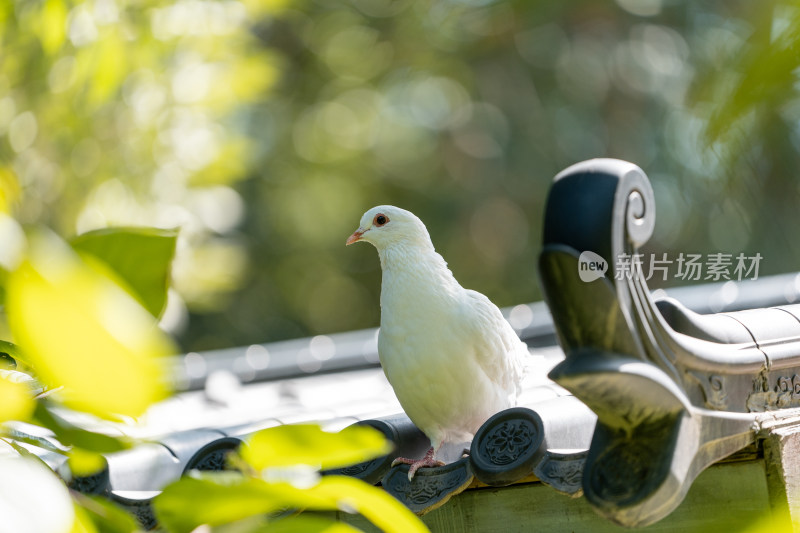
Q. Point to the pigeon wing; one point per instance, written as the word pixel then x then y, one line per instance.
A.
pixel 498 349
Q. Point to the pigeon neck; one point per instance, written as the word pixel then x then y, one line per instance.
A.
pixel 407 266
pixel 404 256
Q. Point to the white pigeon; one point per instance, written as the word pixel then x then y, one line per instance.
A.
pixel 450 356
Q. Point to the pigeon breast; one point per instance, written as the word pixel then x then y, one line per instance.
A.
pixel 451 357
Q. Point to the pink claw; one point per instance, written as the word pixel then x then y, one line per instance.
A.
pixel 428 460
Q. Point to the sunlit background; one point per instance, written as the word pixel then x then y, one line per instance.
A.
pixel 264 129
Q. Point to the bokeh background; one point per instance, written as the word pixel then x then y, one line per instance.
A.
pixel 263 129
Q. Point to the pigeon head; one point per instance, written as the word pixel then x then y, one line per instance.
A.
pixel 385 226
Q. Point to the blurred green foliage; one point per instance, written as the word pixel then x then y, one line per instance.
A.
pixel 92 347
pixel 86 324
pixel 78 328
pixel 264 129
pixel 145 275
pixel 277 476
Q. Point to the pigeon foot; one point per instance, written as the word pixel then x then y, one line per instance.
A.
pixel 416 464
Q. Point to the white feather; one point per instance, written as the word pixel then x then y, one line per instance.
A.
pixel 450 356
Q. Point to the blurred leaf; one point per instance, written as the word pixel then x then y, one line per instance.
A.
pixel 5 11
pixel 26 484
pixel 251 524
pixel 375 504
pixel 53 29
pixel 71 435
pixel 16 402
pixel 252 76
pixel 14 351
pixel 767 523
pixel 84 332
pixel 306 524
pixel 261 8
pixel 83 522
pixel 141 257
pixel 23 451
pixel 110 66
pixel 229 166
pixel 84 463
pixel 9 189
pixel 310 445
pixel 39 442
pixel 766 72
pixel 7 362
pixel 219 498
pixel 108 517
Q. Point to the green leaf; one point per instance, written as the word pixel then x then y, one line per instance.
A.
pixel 309 445
pixel 218 498
pixel 141 257
pixel 16 401
pixel 306 524
pixel 82 331
pixel 375 504
pixel 762 78
pixel 83 522
pixel 13 351
pixel 108 517
pixel 72 435
pixel 84 463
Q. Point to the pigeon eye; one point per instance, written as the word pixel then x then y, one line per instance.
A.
pixel 381 219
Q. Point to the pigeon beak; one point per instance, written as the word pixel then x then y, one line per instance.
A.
pixel 355 237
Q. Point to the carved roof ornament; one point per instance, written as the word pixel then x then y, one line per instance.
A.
pixel 674 391
pixel 549 438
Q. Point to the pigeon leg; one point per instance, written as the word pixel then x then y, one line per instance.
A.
pixel 428 460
